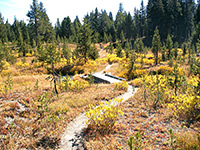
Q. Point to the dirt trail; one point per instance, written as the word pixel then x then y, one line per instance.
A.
pixel 73 137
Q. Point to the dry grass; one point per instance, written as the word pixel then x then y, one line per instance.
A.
pixel 24 81
pixel 114 69
pixel 103 54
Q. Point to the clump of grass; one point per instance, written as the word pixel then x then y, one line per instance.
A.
pixel 188 140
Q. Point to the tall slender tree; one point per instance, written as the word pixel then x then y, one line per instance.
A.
pixel 67 29
pixel 156 44
pixel 120 19
pixel 40 28
pixel 169 46
pixel 3 32
pixel 84 43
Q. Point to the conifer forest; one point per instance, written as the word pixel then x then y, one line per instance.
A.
pixel 129 81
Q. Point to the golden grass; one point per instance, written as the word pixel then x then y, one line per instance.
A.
pixel 24 81
pixel 114 69
pixel 187 140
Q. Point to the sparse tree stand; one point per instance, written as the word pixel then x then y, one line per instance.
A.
pixel 156 44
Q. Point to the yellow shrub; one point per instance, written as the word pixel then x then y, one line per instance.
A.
pixel 37 64
pixel 149 56
pixel 137 82
pixel 74 85
pixel 76 69
pixel 28 55
pixel 5 72
pixel 22 65
pixel 180 50
pixel 139 72
pixel 193 81
pixel 102 60
pixel 123 73
pixel 112 58
pixel 137 66
pixel 1 86
pixel 16 55
pixel 187 105
pixel 6 65
pixel 181 71
pixel 103 117
pixel 148 61
pixel 138 60
pixel 90 66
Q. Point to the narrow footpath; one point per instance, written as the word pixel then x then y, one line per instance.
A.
pixel 73 137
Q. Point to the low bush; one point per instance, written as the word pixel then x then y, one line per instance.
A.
pixel 103 117
pixel 73 85
pixel 136 82
pixel 164 70
pixel 121 85
pixel 28 55
pixel 21 65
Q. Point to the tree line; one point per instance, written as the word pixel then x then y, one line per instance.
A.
pixel 177 19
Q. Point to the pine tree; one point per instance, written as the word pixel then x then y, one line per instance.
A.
pixel 18 33
pixel 46 31
pixel 127 48
pixel 24 31
pixel 122 38
pixel 40 28
pixel 188 18
pixel 128 27
pixel 105 38
pixel 119 50
pixel 58 28
pixel 155 16
pixel 3 32
pixel 52 56
pixel 105 24
pixel 197 15
pixel 120 19
pixel 95 25
pixel 77 25
pixel 93 53
pixel 156 44
pixel 141 46
pixel 169 46
pixel 10 32
pixel 143 21
pixel 1 57
pixel 67 29
pixel 84 43
pixel 184 47
pixel 34 20
pixel 176 45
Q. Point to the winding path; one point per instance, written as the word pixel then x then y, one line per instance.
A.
pixel 73 137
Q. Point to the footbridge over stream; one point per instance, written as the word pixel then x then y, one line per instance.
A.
pixel 106 78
